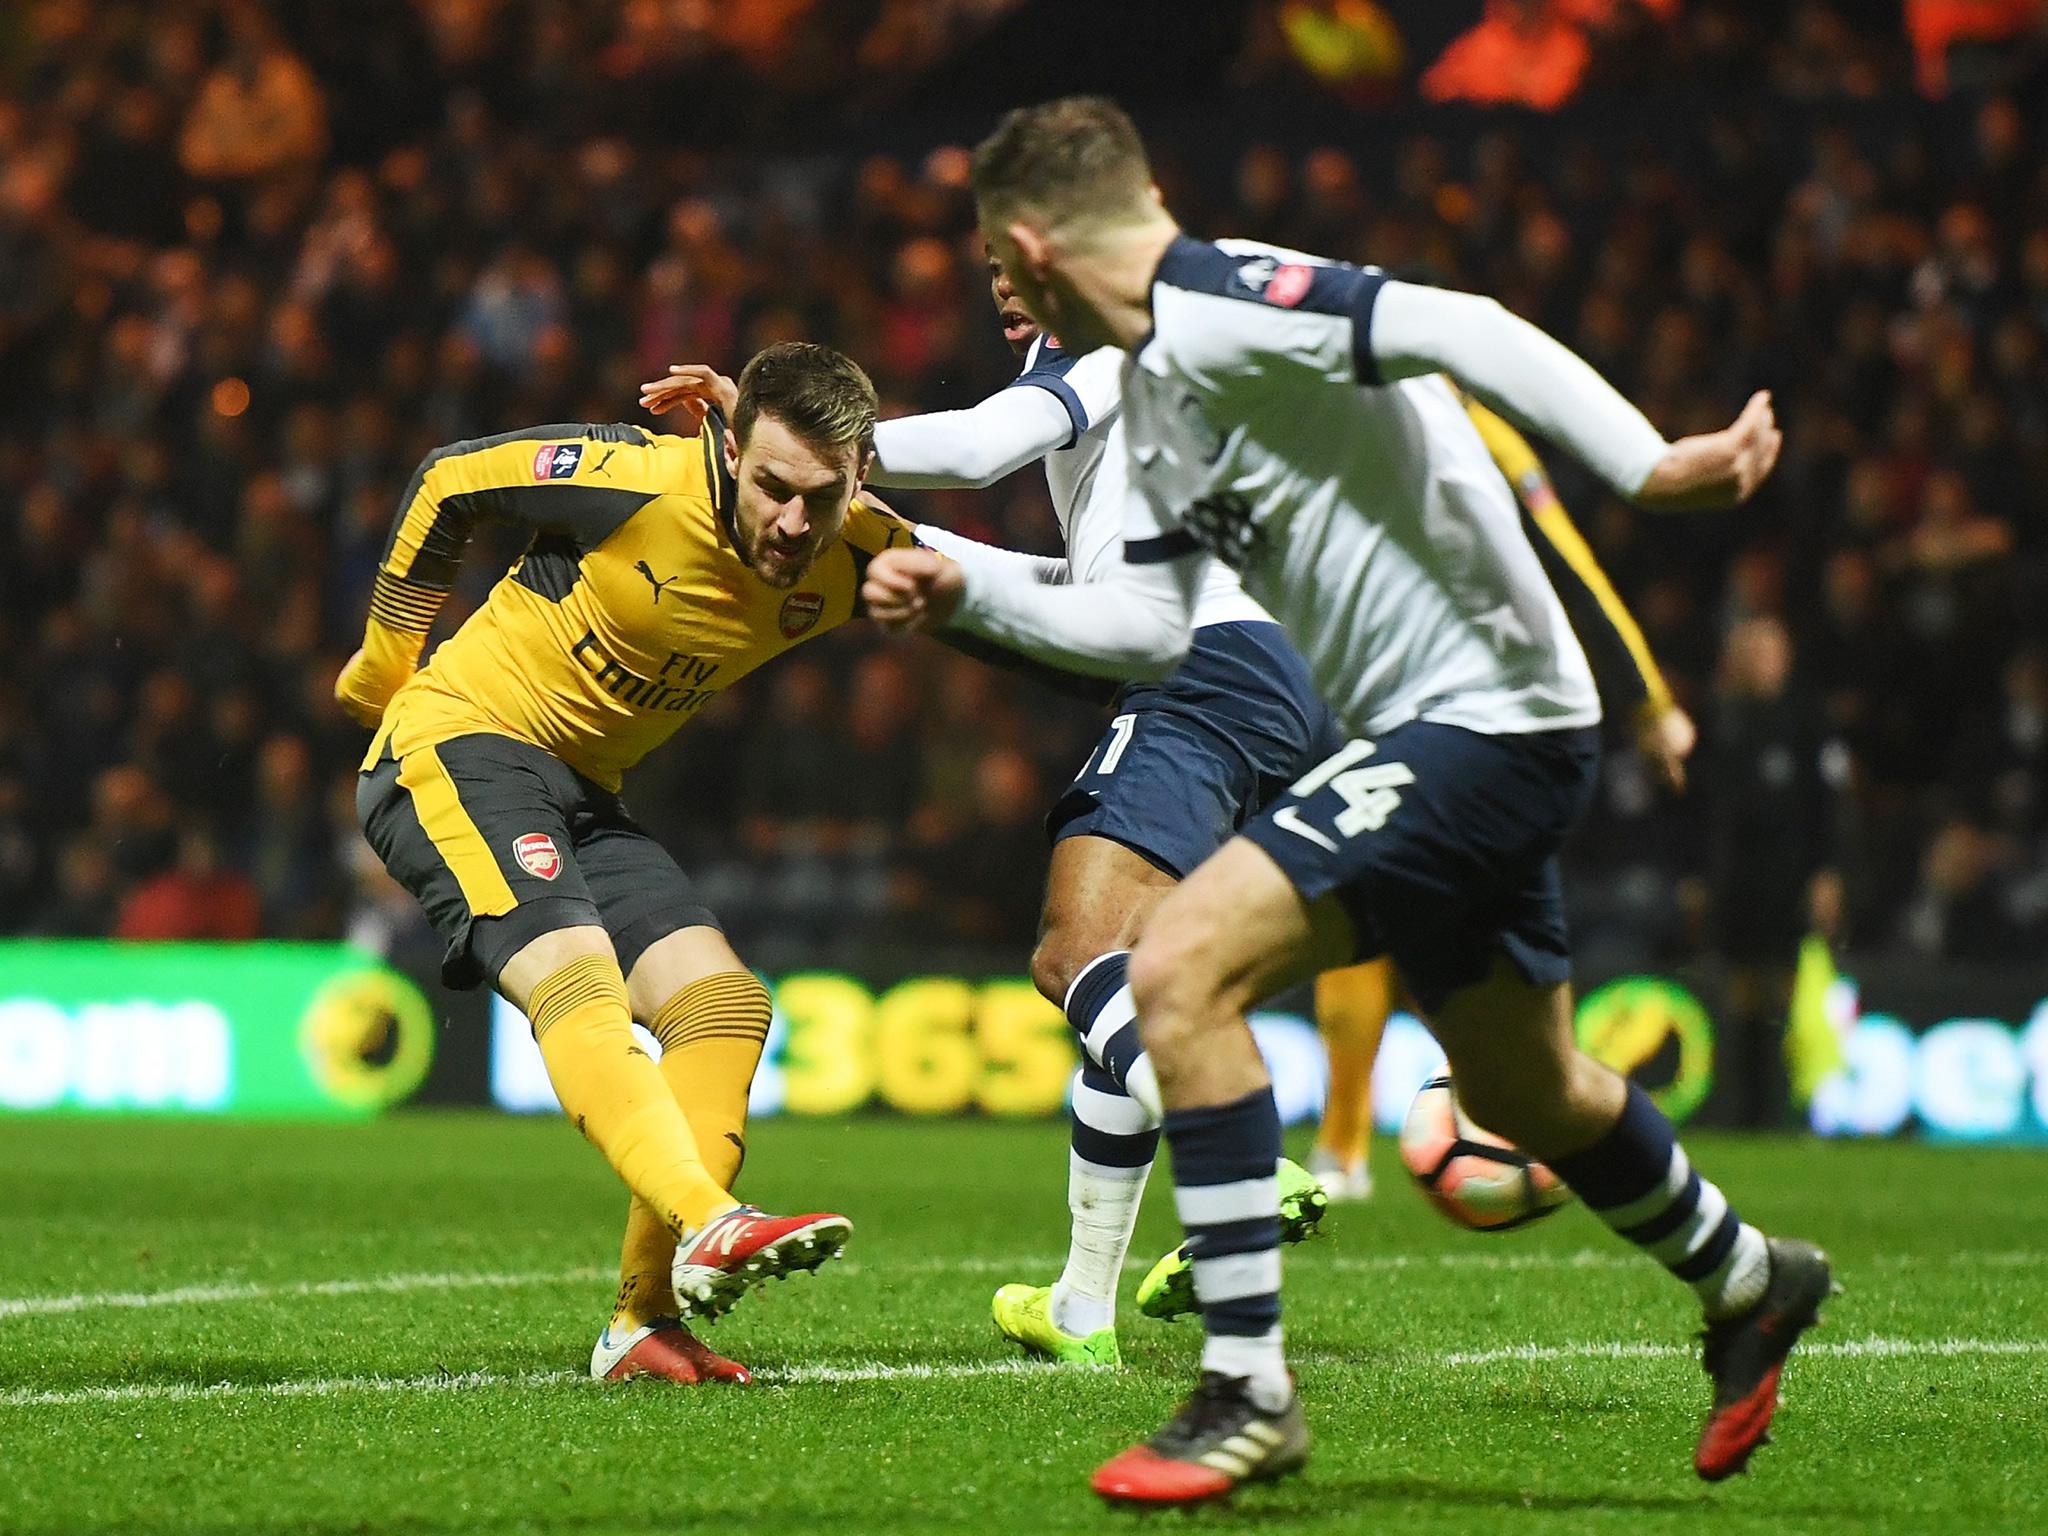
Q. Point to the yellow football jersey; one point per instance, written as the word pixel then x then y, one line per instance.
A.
pixel 630 608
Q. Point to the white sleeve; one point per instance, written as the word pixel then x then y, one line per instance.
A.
pixel 1525 374
pixel 998 563
pixel 1135 625
pixel 974 447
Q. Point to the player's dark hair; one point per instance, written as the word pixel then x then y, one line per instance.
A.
pixel 1077 157
pixel 819 394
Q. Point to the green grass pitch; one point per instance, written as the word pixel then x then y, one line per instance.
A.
pixel 241 1328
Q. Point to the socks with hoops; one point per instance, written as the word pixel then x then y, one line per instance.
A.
pixel 711 1033
pixel 1229 1201
pixel 614 1094
pixel 1639 1181
pixel 1114 1143
pixel 1102 1014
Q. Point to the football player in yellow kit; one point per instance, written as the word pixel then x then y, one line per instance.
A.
pixel 660 570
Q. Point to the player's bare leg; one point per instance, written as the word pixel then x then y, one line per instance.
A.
pixel 1233 933
pixel 1521 1074
pixel 1352 1005
pixel 710 1014
pixel 568 983
pixel 1099 895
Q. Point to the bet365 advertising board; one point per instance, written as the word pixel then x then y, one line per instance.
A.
pixel 323 1030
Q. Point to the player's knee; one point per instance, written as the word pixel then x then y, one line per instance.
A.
pixel 1173 985
pixel 1062 954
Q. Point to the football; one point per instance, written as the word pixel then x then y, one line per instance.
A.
pixel 1474 1177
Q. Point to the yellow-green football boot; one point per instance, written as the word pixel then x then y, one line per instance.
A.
pixel 1169 1290
pixel 1023 1315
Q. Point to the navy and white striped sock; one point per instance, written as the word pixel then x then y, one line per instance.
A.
pixel 1229 1202
pixel 1103 1015
pixel 1114 1143
pixel 1639 1181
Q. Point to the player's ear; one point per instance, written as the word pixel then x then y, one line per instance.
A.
pixel 1158 197
pixel 1033 249
pixel 863 469
pixel 732 452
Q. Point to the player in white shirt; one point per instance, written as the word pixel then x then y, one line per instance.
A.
pixel 1284 415
pixel 1185 762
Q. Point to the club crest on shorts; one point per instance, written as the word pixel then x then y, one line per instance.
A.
pixel 801 611
pixel 557 461
pixel 537 855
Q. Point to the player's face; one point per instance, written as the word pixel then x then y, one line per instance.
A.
pixel 1045 294
pixel 1019 329
pixel 792 502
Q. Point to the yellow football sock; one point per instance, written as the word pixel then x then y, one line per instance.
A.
pixel 1351 1010
pixel 615 1095
pixel 711 1034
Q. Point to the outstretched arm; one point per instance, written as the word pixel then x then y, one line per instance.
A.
pixel 1046 408
pixel 1134 625
pixel 974 447
pixel 540 476
pixel 1543 385
pixel 992 560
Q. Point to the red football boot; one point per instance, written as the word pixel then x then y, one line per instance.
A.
pixel 731 1254
pixel 1746 1355
pixel 1218 1439
pixel 663 1350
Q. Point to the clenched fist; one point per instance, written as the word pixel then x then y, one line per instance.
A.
pixel 912 589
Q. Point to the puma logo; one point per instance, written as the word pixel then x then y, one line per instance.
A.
pixel 659 585
pixel 599 467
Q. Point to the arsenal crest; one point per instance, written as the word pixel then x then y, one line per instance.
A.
pixel 800 611
pixel 537 855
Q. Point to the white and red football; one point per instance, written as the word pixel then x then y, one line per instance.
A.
pixel 1477 1179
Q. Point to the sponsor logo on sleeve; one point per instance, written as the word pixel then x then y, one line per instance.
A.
pixel 537 855
pixel 556 461
pixel 1290 284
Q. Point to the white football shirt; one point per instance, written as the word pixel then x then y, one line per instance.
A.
pixel 1365 515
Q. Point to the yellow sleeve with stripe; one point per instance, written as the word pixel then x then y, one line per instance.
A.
pixel 581 477
pixel 1524 471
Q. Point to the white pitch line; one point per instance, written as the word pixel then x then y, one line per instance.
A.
pixel 807 1375
pixel 336 1386
pixel 814 1375
pixel 319 1386
pixel 372 1285
pixel 1318 1258
pixel 1852 1349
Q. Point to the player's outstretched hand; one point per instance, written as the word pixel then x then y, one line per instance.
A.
pixel 912 589
pixel 1666 739
pixel 692 388
pixel 1717 469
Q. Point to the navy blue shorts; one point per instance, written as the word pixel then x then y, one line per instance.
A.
pixel 1441 844
pixel 1190 759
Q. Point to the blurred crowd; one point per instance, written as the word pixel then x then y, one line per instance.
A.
pixel 256 260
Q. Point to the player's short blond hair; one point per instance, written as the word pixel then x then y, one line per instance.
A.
pixel 1072 162
pixel 823 396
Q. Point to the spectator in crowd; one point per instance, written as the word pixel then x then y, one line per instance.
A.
pixel 196 898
